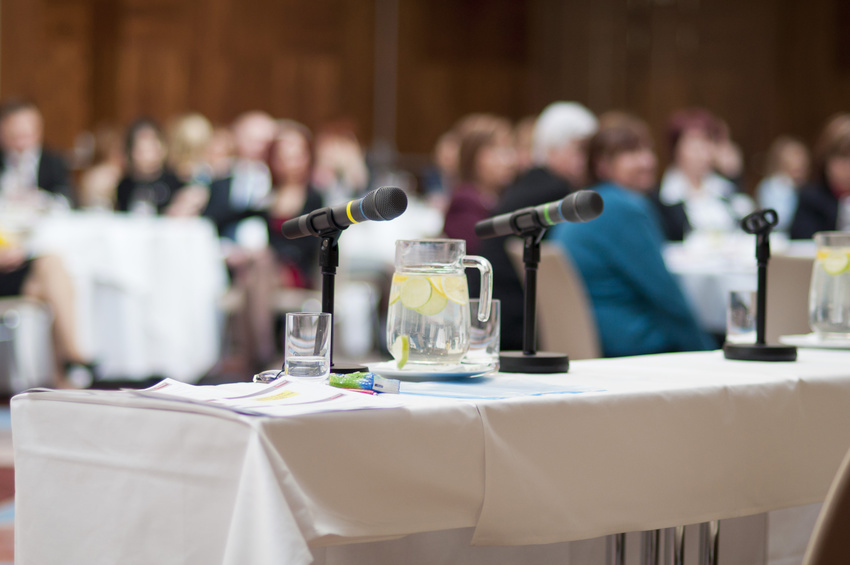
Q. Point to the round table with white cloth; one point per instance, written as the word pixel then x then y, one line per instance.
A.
pixel 146 289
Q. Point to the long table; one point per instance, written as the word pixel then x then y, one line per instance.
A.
pixel 629 444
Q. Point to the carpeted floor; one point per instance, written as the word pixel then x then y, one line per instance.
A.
pixel 7 489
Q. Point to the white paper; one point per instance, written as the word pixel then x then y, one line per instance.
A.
pixel 282 397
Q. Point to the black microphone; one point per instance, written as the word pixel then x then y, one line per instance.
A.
pixel 581 206
pixel 382 204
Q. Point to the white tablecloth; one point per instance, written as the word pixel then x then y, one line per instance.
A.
pixel 147 290
pixel 652 442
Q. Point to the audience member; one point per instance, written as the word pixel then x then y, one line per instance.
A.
pixel 219 153
pixel 728 158
pixel 692 195
pixel 188 138
pixel 45 279
pixel 246 188
pixel 439 178
pixel 524 136
pixel 637 304
pixel 25 164
pixel 486 164
pixel 99 181
pixel 825 204
pixel 148 185
pixel 290 163
pixel 558 153
pixel 786 172
pixel 339 172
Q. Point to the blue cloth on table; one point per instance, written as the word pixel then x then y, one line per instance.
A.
pixel 492 387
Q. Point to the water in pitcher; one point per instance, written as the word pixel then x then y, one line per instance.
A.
pixel 428 318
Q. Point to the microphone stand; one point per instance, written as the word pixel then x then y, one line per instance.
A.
pixel 760 223
pixel 329 261
pixel 529 360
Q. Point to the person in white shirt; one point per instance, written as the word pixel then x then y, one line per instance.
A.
pixel 710 201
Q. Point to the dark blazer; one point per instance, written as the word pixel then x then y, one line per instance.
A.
pixel 674 220
pixel 536 186
pixel 52 173
pixel 163 189
pixel 301 254
pixel 221 211
pixel 817 210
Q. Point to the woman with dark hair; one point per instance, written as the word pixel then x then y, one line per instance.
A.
pixel 692 195
pixel 486 164
pixel 637 304
pixel 291 162
pixel 825 204
pixel 148 184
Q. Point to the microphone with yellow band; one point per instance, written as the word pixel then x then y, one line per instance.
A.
pixel 380 205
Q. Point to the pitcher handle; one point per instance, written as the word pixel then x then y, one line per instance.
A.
pixel 483 265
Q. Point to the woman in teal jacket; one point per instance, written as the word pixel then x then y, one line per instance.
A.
pixel 638 306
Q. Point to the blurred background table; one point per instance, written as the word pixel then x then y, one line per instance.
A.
pixel 708 268
pixel 147 290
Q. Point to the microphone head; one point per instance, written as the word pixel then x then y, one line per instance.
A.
pixel 760 221
pixel 385 203
pixel 582 206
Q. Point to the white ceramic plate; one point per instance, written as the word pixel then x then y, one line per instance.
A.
pixel 438 372
pixel 812 340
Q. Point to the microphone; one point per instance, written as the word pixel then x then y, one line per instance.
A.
pixel 581 206
pixel 760 221
pixel 382 204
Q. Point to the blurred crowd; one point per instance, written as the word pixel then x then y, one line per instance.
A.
pixel 250 176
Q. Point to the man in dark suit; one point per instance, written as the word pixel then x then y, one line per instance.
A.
pixel 247 187
pixel 25 165
pixel 560 163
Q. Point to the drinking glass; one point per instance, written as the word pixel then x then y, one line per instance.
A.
pixel 741 316
pixel 829 293
pixel 483 336
pixel 307 348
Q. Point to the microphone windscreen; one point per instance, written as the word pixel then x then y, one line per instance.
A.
pixel 385 203
pixel 584 206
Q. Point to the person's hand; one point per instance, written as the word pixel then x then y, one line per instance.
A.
pixel 11 258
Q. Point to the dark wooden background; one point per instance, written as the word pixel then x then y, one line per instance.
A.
pixel 768 67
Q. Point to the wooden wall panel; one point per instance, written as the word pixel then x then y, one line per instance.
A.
pixel 457 57
pixel 768 66
pixel 116 60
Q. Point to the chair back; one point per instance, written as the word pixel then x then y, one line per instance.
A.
pixel 565 318
pixel 787 310
pixel 830 541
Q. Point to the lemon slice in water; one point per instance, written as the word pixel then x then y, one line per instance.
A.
pixel 435 304
pixel 395 288
pixel 401 350
pixel 455 289
pixel 415 292
pixel 836 262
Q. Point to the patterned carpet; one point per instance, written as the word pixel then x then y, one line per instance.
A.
pixel 7 489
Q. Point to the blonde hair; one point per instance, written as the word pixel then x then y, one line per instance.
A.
pixel 188 136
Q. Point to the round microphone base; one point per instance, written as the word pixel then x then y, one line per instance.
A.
pixel 348 369
pixel 540 362
pixel 757 352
